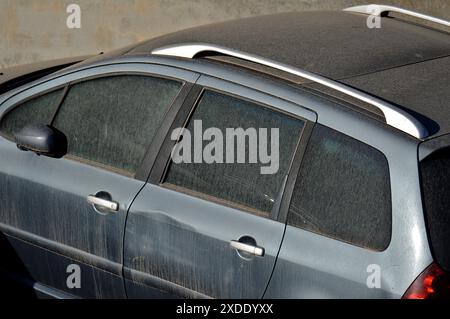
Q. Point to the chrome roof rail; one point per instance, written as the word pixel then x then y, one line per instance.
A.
pixel 395 116
pixel 379 9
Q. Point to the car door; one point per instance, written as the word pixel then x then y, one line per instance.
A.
pixel 63 220
pixel 206 223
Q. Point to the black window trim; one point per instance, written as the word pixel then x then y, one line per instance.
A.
pixel 148 162
pixel 163 161
pixel 294 170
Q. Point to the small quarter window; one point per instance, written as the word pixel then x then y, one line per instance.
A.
pixel 343 191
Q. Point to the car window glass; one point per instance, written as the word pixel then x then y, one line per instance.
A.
pixel 343 191
pixel 435 180
pixel 239 183
pixel 112 120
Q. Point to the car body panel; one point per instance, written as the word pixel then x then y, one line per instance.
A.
pixel 51 204
pixel 178 239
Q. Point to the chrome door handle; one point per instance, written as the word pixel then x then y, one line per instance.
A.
pixel 103 203
pixel 254 250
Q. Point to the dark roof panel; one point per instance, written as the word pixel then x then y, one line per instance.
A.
pixel 423 88
pixel 333 44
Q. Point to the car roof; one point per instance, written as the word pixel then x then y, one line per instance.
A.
pixel 330 43
pixel 405 63
pixel 423 89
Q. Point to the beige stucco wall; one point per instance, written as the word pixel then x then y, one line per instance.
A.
pixel 34 30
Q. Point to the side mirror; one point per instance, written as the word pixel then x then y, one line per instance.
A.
pixel 42 140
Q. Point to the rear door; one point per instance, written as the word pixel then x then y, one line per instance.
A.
pixel 53 212
pixel 206 224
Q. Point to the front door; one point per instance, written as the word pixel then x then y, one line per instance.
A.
pixel 63 220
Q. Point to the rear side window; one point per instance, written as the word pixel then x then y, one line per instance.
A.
pixel 112 121
pixel 238 183
pixel 435 174
pixel 39 110
pixel 343 191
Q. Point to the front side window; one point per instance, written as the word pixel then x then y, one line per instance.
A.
pixel 251 147
pixel 343 191
pixel 112 121
pixel 38 110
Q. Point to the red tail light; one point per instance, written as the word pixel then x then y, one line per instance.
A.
pixel 432 283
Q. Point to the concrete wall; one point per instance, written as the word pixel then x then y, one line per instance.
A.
pixel 34 30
